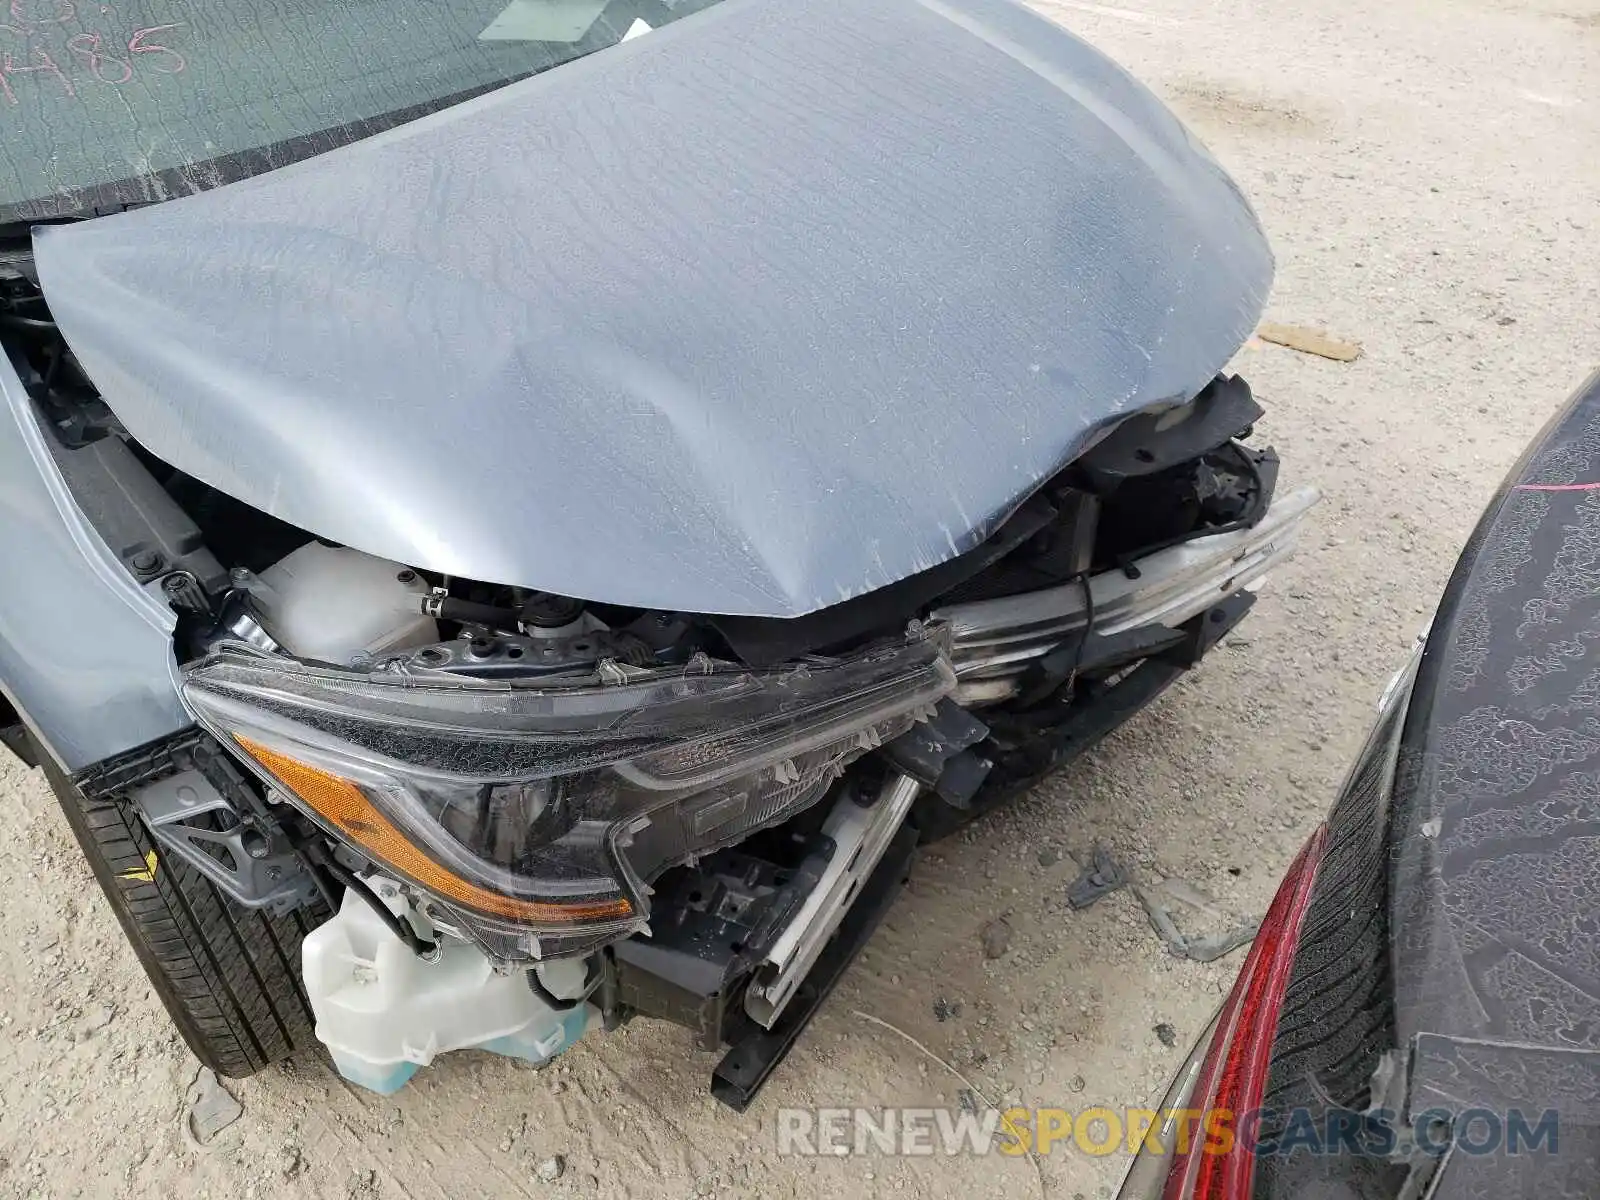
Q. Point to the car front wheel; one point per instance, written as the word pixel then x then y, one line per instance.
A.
pixel 228 975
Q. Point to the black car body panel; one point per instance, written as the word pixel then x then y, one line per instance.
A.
pixel 1449 967
pixel 1496 880
pixel 770 307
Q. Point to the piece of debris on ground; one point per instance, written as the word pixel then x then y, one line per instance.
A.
pixel 1195 947
pixel 211 1108
pixel 1100 878
pixel 1187 893
pixel 1166 1035
pixel 996 937
pixel 1309 341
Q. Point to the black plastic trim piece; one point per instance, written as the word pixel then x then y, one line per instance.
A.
pixel 1154 441
pixel 19 741
pixel 143 764
pixel 764 641
pixel 740 1075
pixel 924 750
pixel 14 735
pixel 1046 747
pixel 711 926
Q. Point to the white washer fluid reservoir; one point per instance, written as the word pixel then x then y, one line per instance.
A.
pixel 383 1012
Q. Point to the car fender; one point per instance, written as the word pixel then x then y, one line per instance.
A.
pixel 86 654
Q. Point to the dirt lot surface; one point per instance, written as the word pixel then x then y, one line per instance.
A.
pixel 1428 171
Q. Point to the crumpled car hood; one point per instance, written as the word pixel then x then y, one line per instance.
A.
pixel 769 307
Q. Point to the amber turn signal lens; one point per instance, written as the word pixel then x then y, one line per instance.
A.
pixel 345 807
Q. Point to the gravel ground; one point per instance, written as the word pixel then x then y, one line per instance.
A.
pixel 1428 172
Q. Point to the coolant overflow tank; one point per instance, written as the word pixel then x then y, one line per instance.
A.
pixel 383 1012
pixel 338 605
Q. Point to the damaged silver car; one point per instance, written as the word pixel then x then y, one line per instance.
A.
pixel 525 517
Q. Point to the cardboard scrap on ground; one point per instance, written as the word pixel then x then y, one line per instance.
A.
pixel 1309 341
pixel 212 1109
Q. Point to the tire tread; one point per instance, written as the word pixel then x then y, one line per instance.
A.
pixel 227 974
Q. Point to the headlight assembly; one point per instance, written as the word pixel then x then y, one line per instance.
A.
pixel 537 812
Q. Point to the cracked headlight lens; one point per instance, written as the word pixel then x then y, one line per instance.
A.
pixel 537 812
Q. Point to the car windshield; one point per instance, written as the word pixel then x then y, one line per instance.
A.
pixel 113 102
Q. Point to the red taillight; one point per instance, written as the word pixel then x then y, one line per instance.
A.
pixel 1234 1074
